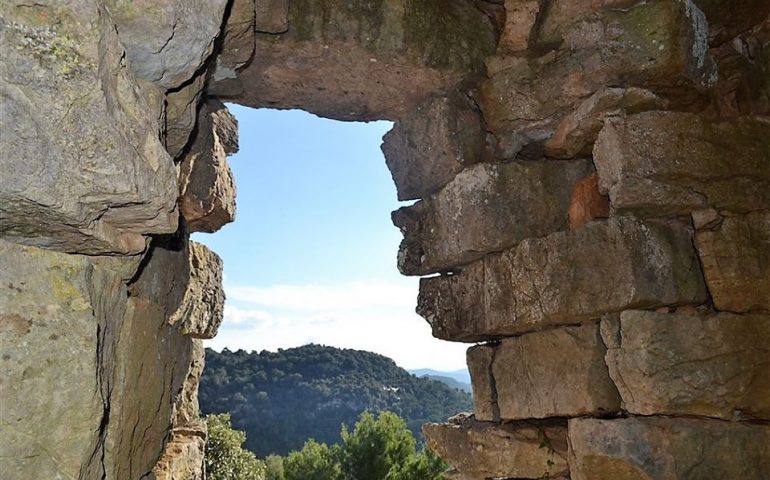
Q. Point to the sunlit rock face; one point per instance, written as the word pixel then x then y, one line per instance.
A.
pixel 591 180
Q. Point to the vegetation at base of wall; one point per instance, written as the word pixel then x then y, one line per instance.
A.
pixel 377 448
pixel 282 399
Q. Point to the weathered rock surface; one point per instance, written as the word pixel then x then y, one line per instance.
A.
pixel 183 454
pixel 735 255
pixel 586 202
pixel 524 450
pixel 185 278
pixel 201 310
pixel 167 42
pixel 534 378
pixel 525 98
pixel 272 16
pixel 565 278
pixel 576 133
pixel 667 449
pixel 85 171
pixel 669 163
pixel 52 307
pixel 183 458
pixel 237 36
pixel 371 60
pixel 432 144
pixel 479 359
pixel 726 19
pixel 150 361
pixel 206 184
pixel 675 364
pixel 520 19
pixel 182 113
pixel 486 208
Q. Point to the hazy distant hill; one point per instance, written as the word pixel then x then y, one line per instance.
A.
pixel 283 398
pixel 462 375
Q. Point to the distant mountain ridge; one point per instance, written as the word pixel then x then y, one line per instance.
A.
pixel 460 379
pixel 283 398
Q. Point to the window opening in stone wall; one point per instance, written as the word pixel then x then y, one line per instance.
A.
pixel 311 259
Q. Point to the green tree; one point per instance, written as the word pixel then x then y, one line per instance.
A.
pixel 424 465
pixel 225 458
pixel 274 466
pixel 376 448
pixel 316 461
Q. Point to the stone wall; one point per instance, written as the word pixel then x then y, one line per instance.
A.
pixel 592 213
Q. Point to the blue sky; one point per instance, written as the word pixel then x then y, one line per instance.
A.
pixel 311 256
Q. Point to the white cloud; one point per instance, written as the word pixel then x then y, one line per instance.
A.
pixel 371 315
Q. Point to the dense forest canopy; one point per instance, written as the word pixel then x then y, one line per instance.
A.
pixel 281 399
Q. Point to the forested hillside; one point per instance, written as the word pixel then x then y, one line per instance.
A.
pixel 281 399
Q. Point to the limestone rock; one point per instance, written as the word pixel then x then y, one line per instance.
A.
pixel 486 208
pixel 151 362
pixel 479 359
pixel 587 203
pixel 183 458
pixel 735 260
pixel 565 278
pixel 167 41
pixel 371 60
pixel 432 144
pixel 186 411
pixel 52 307
pixel 526 98
pixel 490 450
pixel 576 133
pixel 87 172
pixel 675 364
pixel 667 449
pixel 206 184
pixel 669 163
pixel 182 113
pixel 534 378
pixel 201 311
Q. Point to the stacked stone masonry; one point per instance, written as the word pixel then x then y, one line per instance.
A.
pixel 592 214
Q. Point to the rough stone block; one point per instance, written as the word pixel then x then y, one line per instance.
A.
pixel 520 19
pixel 675 364
pixel 576 133
pixel 238 36
pixel 84 170
pixel 565 278
pixel 490 450
pixel 735 255
pixel 432 144
pixel 555 373
pixel 183 457
pixel 364 60
pixel 272 16
pixel 182 114
pixel 52 307
pixel 587 203
pixel 479 359
pixel 206 184
pixel 525 98
pixel 671 163
pixel 167 42
pixel 728 18
pixel 201 310
pixel 151 361
pixel 190 277
pixel 667 449
pixel 486 208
